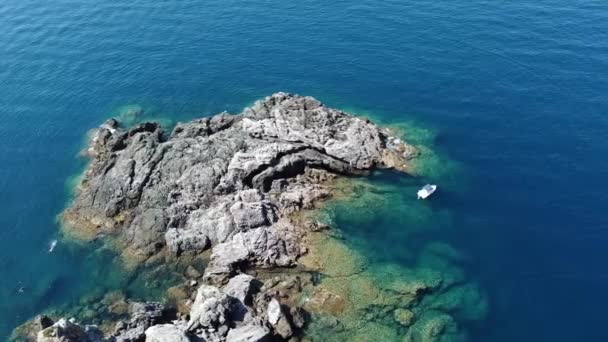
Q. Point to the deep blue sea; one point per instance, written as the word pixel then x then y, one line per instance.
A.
pixel 514 92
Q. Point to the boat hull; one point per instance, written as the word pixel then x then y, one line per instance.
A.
pixel 426 191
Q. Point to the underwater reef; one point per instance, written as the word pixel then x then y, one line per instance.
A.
pixel 390 288
pixel 237 201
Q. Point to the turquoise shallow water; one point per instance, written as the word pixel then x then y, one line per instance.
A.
pixel 514 91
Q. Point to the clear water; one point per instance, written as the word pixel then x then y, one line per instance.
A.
pixel 515 92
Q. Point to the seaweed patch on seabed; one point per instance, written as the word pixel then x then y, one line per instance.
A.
pixel 411 290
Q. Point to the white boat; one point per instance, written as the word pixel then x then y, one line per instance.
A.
pixel 426 191
pixel 52 246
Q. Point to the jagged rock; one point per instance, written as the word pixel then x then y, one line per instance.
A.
pixel 249 333
pixel 43 322
pixel 143 316
pixel 180 240
pixel 120 326
pixel 147 230
pixel 298 317
pixel 146 312
pixel 264 246
pixel 239 287
pixel 278 320
pixel 69 331
pixel 192 273
pixel 166 333
pixel 274 311
pixel 210 308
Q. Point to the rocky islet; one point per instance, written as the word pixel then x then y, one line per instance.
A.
pixel 240 191
pixel 228 183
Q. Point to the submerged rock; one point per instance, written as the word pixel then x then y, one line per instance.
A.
pixel 435 327
pixel 404 317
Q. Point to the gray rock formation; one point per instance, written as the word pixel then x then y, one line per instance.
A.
pixel 230 183
pixel 166 333
pixel 240 287
pixel 69 331
pixel 224 181
pixel 210 309
pixel 143 316
pixel 278 319
pixel 274 311
pixel 249 333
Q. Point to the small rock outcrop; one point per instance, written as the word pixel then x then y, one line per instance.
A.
pixel 69 331
pixel 248 333
pixel 142 316
pixel 166 333
pixel 240 287
pixel 278 320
